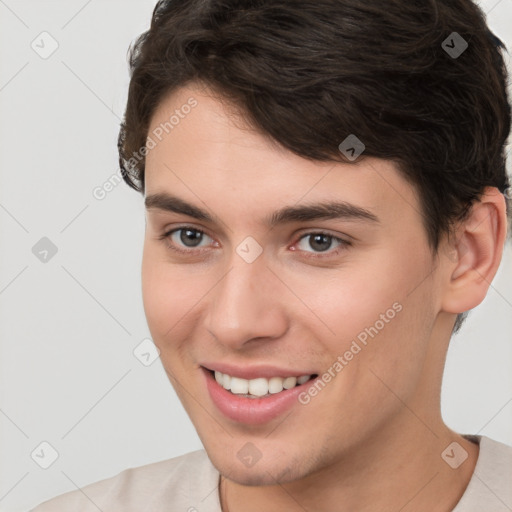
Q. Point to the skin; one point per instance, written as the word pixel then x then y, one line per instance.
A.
pixel 373 437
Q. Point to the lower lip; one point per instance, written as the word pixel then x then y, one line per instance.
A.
pixel 252 411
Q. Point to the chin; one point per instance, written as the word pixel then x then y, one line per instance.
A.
pixel 261 477
pixel 263 472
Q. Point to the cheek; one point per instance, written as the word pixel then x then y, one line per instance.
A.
pixel 348 302
pixel 374 313
pixel 170 293
pixel 162 293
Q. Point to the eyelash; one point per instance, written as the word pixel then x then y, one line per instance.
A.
pixel 343 243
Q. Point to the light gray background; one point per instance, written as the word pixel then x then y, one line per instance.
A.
pixel 68 327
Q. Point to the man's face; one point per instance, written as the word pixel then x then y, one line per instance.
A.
pixel 256 300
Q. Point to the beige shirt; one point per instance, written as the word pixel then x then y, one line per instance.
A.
pixel 189 483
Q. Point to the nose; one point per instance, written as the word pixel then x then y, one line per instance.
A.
pixel 245 305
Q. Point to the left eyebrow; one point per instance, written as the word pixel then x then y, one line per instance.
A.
pixel 301 213
pixel 321 211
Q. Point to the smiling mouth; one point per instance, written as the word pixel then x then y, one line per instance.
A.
pixel 260 387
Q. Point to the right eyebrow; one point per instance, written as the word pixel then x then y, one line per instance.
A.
pixel 174 204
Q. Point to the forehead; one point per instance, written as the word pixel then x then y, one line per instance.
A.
pixel 208 152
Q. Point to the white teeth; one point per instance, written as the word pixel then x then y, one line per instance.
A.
pixel 239 386
pixel 226 381
pixel 275 385
pixel 260 386
pixel 289 382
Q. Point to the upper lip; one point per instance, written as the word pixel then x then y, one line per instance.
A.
pixel 254 371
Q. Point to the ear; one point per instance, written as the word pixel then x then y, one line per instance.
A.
pixel 475 255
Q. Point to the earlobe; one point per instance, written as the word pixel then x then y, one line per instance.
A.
pixel 476 255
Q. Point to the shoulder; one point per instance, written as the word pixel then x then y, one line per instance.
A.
pixel 489 487
pixel 181 482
